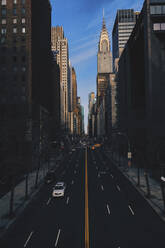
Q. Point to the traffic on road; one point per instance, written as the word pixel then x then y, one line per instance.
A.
pixel 90 203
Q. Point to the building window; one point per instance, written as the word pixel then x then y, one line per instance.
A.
pixel 163 9
pixel 3 39
pixel 159 26
pixel 3 31
pixel 14 30
pixel 157 9
pixel 3 2
pixel 3 21
pixel 14 20
pixel 3 12
pixel 23 11
pixel 23 20
pixel 14 11
pixel 23 30
pixel 162 26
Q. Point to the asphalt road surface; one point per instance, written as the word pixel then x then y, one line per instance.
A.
pixel 102 212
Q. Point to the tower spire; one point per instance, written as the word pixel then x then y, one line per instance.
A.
pixel 104 26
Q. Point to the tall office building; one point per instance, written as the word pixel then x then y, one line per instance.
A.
pixel 60 45
pixel 124 23
pixel 104 63
pixel 91 103
pixel 70 88
pixel 104 56
pixel 104 68
pixel 92 100
pixel 25 74
pixel 74 88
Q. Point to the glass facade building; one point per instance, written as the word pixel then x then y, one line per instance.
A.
pixel 124 24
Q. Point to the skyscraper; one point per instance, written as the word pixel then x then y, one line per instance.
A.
pixel 104 56
pixel 104 63
pixel 25 74
pixel 91 103
pixel 124 23
pixel 74 88
pixel 60 45
pixel 104 68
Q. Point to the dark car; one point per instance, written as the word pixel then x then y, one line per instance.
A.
pixel 50 177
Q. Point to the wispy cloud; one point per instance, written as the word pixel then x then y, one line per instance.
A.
pixel 86 44
pixel 84 38
pixel 84 55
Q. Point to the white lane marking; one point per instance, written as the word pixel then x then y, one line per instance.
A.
pixel 67 200
pixel 74 172
pixel 98 175
pixel 102 187
pixel 30 235
pixel 108 209
pixel 72 182
pixel 118 187
pixel 96 168
pixel 48 201
pixel 58 235
pixel 112 176
pixel 131 210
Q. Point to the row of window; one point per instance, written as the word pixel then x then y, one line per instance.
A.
pixel 15 11
pixel 15 21
pixel 14 69
pixel 157 9
pixel 4 2
pixel 14 59
pixel 15 30
pixel 159 26
pixel 15 78
pixel 15 99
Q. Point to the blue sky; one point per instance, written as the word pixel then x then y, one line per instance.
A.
pixel 82 22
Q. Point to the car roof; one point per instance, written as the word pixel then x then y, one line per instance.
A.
pixel 60 183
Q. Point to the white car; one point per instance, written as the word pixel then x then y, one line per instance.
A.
pixel 59 189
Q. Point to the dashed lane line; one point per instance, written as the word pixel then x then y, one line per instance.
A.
pixel 67 200
pixel 131 210
pixel 102 187
pixel 29 237
pixel 58 235
pixel 108 209
pixel 48 201
pixel 118 187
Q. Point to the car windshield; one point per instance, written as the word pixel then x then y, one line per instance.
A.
pixel 58 187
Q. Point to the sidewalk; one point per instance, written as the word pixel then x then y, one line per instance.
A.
pixel 155 200
pixel 19 197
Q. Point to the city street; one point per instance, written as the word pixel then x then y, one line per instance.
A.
pixel 118 215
